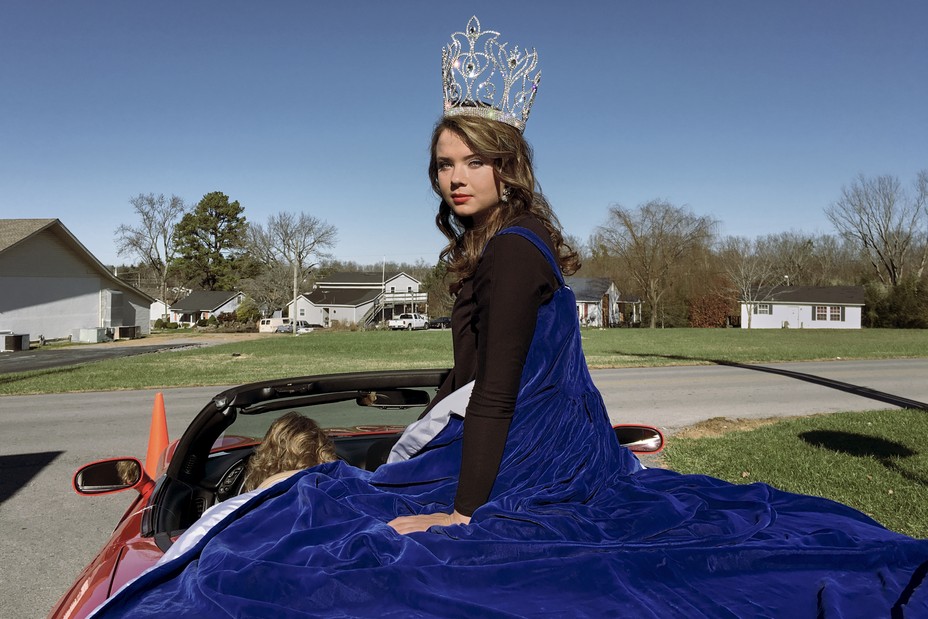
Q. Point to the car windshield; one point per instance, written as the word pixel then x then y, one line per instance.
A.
pixel 349 412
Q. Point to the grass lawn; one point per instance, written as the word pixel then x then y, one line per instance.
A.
pixel 612 348
pixel 873 461
pixel 273 356
pixel 324 352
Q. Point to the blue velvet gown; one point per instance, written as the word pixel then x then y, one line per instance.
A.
pixel 572 528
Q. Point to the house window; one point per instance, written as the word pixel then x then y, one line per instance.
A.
pixel 763 308
pixel 302 311
pixel 829 312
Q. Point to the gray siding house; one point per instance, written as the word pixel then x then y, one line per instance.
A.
pixel 52 287
pixel 359 298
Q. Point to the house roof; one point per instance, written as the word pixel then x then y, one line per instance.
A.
pixel 371 278
pixel 830 295
pixel 204 301
pixel 13 232
pixel 589 289
pixel 345 297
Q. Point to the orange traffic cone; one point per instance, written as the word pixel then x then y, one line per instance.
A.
pixel 157 436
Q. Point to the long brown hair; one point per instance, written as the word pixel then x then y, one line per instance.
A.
pixel 511 156
pixel 292 442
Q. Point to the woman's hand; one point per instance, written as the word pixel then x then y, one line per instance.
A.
pixel 411 524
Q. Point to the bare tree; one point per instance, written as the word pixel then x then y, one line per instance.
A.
pixel 292 240
pixel 578 246
pixel 791 256
pixel 598 262
pixel 152 240
pixel 888 224
pixel 651 240
pixel 836 262
pixel 269 285
pixel 751 269
pixel 801 259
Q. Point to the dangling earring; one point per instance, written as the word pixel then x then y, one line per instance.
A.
pixel 504 197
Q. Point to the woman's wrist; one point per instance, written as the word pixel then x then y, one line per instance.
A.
pixel 422 522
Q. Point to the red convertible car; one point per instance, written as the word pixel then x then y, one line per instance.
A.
pixel 363 412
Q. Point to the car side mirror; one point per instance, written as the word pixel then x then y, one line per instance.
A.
pixel 108 476
pixel 639 439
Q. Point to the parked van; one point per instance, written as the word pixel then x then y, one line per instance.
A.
pixel 269 325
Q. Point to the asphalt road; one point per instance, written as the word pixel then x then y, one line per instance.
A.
pixel 46 358
pixel 676 397
pixel 49 533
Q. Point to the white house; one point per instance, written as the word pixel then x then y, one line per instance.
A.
pixel 805 307
pixel 599 303
pixel 202 304
pixel 52 287
pixel 359 298
pixel 158 309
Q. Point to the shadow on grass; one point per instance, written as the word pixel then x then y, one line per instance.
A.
pixel 864 392
pixel 18 470
pixel 13 378
pixel 887 453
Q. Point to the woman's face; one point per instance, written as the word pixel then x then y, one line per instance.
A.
pixel 468 184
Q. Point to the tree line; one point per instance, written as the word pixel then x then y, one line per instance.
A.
pixel 673 259
pixel 176 248
pixel 212 246
pixel 687 275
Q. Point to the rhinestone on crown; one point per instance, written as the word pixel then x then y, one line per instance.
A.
pixel 482 77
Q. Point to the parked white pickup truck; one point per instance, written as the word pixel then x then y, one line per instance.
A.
pixel 409 322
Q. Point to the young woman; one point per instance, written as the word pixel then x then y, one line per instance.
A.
pixel 481 170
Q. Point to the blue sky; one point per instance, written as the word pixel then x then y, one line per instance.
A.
pixel 754 113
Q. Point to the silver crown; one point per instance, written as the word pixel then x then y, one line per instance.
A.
pixel 481 77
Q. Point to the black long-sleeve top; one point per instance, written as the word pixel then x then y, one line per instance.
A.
pixel 493 323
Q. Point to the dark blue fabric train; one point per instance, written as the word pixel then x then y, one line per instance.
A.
pixel 573 528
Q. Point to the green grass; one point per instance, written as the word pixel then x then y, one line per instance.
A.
pixel 875 461
pixel 655 347
pixel 323 352
pixel 274 356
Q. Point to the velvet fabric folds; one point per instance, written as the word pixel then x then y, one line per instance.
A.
pixel 573 528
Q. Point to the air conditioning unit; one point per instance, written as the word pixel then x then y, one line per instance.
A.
pixel 130 332
pixel 89 336
pixel 13 342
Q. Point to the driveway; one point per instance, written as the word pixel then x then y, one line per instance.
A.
pixel 54 357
